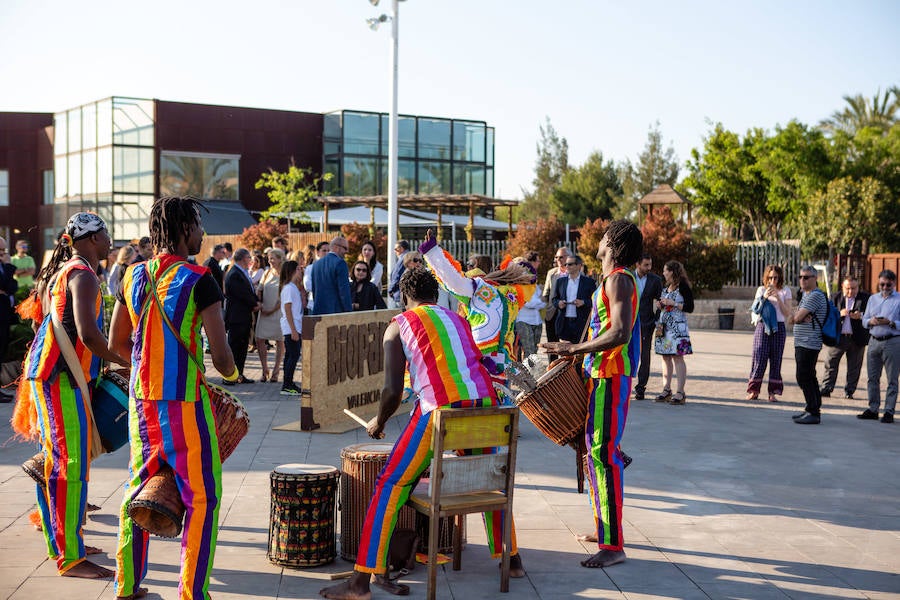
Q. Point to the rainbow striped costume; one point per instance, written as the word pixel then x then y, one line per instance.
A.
pixel 445 371
pixel 609 374
pixel 64 424
pixel 170 421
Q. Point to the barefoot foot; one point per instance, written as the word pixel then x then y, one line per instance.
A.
pixel 138 593
pixel 88 570
pixel 391 586
pixel 89 550
pixel 516 569
pixel 604 558
pixel 587 537
pixel 357 588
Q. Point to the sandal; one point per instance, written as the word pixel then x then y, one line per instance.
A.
pixel 772 398
pixel 664 397
pixel 265 376
pixel 677 398
pixel 274 378
pixel 753 396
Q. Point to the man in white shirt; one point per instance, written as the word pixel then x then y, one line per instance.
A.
pixel 882 319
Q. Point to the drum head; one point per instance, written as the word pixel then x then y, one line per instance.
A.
pixel 368 449
pixel 301 469
pixel 554 371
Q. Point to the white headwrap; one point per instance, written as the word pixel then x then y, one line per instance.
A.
pixel 83 224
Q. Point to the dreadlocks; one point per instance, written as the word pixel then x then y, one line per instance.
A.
pixel 514 274
pixel 625 242
pixel 61 253
pixel 169 217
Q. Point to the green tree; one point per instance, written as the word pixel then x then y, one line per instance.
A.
pixel 587 192
pixel 881 113
pixel 551 164
pixel 292 191
pixel 760 180
pixel 655 165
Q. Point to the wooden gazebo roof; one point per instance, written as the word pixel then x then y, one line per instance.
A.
pixel 431 202
pixel 664 194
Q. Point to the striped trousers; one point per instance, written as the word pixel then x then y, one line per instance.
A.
pixel 64 423
pixel 408 459
pixel 768 350
pixel 604 425
pixel 183 436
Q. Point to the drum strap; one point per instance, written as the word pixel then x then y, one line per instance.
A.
pixel 154 295
pixel 68 352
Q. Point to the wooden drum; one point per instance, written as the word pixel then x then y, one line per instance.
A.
pixel 302 517
pixel 558 405
pixel 360 466
pixel 158 507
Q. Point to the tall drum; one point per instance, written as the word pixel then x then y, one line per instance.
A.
pixel 302 517
pixel 360 466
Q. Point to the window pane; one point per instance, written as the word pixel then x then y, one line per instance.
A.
pixel 406 134
pixel 468 141
pixel 74 174
pixel 434 178
pixel 406 177
pixel 489 183
pixel 74 130
pixel 360 176
pixel 89 126
pixel 4 188
pixel 60 133
pixel 207 177
pixel 133 170
pixel 132 121
pixel 490 146
pixel 468 179
pixel 48 186
pixel 360 133
pixel 332 134
pixel 333 166
pixel 104 123
pixel 434 139
pixel 61 176
pixel 89 172
pixel 104 170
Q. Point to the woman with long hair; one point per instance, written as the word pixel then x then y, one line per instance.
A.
pixel 292 303
pixel 363 293
pixel 771 306
pixel 268 323
pixel 117 271
pixel 673 340
pixel 376 269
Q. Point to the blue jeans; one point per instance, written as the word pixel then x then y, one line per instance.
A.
pixel 291 356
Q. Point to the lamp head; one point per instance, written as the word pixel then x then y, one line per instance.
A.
pixel 374 2
pixel 375 22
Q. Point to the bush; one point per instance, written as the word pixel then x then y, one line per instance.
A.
pixel 712 266
pixel 356 235
pixel 260 236
pixel 543 236
pixel 589 241
pixel 665 238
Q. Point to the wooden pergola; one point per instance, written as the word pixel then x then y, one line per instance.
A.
pixel 663 194
pixel 429 202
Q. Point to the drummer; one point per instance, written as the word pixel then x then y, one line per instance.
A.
pixel 445 372
pixel 51 404
pixel 611 351
pixel 170 417
pixel 491 300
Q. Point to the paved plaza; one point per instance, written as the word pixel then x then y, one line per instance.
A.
pixel 725 499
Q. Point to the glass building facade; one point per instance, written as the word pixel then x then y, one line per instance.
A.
pixel 436 156
pixel 104 162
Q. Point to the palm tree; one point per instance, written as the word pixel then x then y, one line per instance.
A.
pixel 881 114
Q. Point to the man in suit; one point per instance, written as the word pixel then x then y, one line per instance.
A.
pixel 558 270
pixel 649 290
pixel 212 263
pixel 241 302
pixel 8 287
pixel 854 338
pixel 572 298
pixel 331 281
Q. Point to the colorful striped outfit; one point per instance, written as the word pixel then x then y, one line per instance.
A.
pixel 64 424
pixel 445 372
pixel 171 422
pixel 609 375
pixel 491 309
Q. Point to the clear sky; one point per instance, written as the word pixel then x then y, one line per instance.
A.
pixel 603 71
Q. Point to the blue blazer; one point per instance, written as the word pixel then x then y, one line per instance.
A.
pixel 586 287
pixel 331 285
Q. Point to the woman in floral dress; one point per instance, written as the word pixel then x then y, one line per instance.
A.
pixel 673 340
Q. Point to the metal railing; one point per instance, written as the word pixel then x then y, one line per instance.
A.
pixel 753 257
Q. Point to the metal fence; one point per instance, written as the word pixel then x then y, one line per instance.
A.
pixel 462 249
pixel 752 258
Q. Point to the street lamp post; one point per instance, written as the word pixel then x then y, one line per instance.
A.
pixel 393 224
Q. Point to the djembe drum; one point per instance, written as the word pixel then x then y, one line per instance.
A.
pixel 558 405
pixel 301 532
pixel 360 466
pixel 158 507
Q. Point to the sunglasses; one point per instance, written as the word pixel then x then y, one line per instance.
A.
pixel 806 276
pixel 571 264
pixel 361 270
pixel 415 260
pixel 886 284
